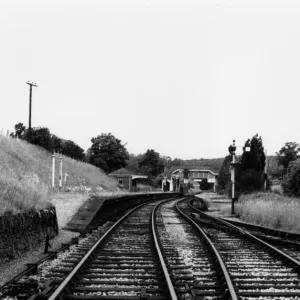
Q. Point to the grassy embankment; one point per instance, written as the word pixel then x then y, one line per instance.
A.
pixel 25 177
pixel 269 210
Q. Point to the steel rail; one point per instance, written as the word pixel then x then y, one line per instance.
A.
pixel 271 231
pixel 162 261
pixel 227 277
pixel 249 235
pixel 67 280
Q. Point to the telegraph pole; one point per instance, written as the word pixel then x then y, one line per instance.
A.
pixel 31 84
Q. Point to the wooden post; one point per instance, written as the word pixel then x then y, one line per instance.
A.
pixel 53 170
pixel 60 172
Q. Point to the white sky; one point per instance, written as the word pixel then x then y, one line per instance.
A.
pixel 181 77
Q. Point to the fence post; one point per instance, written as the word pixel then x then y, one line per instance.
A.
pixel 66 177
pixel 60 172
pixel 53 170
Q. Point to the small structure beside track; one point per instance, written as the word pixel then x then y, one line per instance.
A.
pixel 127 179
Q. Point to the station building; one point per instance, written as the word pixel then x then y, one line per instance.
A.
pixel 127 179
pixel 180 177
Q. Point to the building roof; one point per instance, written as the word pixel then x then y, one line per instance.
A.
pixel 121 171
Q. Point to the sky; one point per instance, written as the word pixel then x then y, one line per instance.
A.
pixel 184 78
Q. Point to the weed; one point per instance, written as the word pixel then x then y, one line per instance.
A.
pixel 270 210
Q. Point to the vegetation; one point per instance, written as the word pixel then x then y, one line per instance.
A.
pixel 289 152
pixel 249 172
pixel 291 185
pixel 107 153
pixel 270 210
pixel 42 137
pixel 25 176
pixel 224 175
pixel 151 163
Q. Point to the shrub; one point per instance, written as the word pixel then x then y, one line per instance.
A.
pixel 277 189
pixel 291 185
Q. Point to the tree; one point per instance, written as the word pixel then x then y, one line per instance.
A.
pixel 40 136
pixel 133 163
pixel 177 162
pixel 291 185
pixel 56 143
pixel 167 161
pixel 151 163
pixel 254 159
pixel 289 152
pixel 224 175
pixel 71 149
pixel 107 152
pixel 20 130
pixel 248 173
pixel 251 173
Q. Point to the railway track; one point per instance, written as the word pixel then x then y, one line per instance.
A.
pixel 127 263
pixel 285 241
pixel 153 252
pixel 195 270
pixel 123 264
pixel 258 269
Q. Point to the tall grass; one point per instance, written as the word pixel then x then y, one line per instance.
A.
pixel 25 176
pixel 270 210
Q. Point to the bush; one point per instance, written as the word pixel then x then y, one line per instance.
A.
pixel 291 185
pixel 250 181
pixel 277 189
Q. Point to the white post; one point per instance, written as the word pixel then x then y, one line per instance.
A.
pixel 53 170
pixel 1 131
pixel 266 171
pixel 7 133
pixel 60 172
pixel 66 176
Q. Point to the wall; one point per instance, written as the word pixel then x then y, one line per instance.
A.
pixel 22 232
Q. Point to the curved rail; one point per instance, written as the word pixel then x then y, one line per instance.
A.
pixel 227 224
pixel 229 283
pixel 69 278
pixel 162 262
pixel 66 281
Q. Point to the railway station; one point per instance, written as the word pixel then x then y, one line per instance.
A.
pixel 153 151
pixel 180 177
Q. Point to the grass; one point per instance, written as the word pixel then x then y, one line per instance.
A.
pixel 25 177
pixel 270 210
